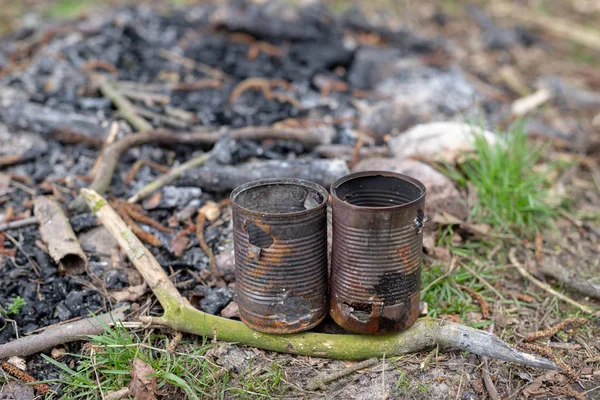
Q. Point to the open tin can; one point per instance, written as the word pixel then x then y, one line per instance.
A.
pixel 280 243
pixel 376 257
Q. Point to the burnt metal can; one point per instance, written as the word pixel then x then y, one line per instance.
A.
pixel 280 244
pixel 378 219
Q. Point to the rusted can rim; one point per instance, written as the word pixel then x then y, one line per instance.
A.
pixel 365 174
pixel 279 181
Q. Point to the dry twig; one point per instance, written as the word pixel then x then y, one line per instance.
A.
pixel 487 378
pixel 20 223
pixel 515 263
pixel 319 382
pixel 124 106
pixel 169 177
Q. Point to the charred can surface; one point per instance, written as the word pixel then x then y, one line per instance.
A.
pixel 280 243
pixel 377 249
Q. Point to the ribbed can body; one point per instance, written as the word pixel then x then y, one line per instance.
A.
pixel 280 243
pixel 377 250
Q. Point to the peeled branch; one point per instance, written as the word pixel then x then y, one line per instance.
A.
pixel 57 233
pixel 181 316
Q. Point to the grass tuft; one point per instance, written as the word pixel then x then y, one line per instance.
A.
pixel 511 194
pixel 109 365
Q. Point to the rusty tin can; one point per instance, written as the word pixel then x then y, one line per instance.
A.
pixel 280 243
pixel 377 250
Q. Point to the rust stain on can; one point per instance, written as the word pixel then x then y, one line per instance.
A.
pixel 280 243
pixel 377 250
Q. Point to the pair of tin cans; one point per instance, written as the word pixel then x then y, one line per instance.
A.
pixel 280 240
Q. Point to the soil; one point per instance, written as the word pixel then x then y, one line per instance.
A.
pixel 324 68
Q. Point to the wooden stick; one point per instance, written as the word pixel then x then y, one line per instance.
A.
pixel 525 274
pixel 58 235
pixel 320 382
pixel 570 279
pixel 124 106
pixel 169 177
pixel 487 379
pixel 20 223
pixel 60 334
pixel 181 316
pixel 112 135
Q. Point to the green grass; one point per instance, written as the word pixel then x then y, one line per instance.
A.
pixel 260 384
pixel 109 366
pixel 186 373
pixel 511 195
pixel 405 386
pixel 13 307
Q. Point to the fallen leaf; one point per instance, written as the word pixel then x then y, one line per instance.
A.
pixel 142 386
pixel 131 293
pixel 58 352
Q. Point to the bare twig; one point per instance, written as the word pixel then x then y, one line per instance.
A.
pixel 60 334
pixel 169 177
pixel 117 395
pixel 112 135
pixel 447 274
pixel 570 279
pixel 320 382
pixel 193 64
pixel 525 274
pixel 124 106
pixel 20 223
pixel 487 379
pixel 181 316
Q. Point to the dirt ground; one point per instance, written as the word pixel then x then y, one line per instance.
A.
pixel 515 55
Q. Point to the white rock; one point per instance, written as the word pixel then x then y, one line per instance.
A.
pixel 440 141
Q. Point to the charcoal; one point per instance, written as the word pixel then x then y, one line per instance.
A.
pixel 83 222
pixel 193 258
pixel 173 197
pixel 228 177
pixel 116 279
pixel 214 300
pixel 264 23
pixel 28 115
pixel 62 312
